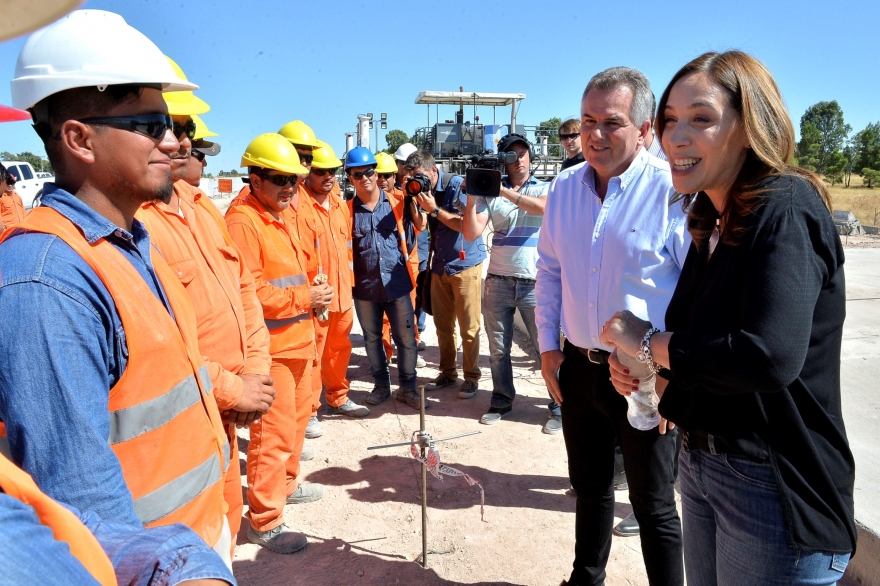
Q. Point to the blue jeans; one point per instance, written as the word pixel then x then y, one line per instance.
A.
pixel 503 296
pixel 400 316
pixel 734 528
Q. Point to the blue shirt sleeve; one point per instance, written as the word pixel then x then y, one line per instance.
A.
pixel 29 553
pixel 61 346
pixel 156 556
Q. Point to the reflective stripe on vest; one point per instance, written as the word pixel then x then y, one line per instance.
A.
pixel 165 427
pixel 65 527
pixel 293 281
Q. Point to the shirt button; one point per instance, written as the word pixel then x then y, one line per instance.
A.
pixel 592 305
pixel 595 269
pixel 594 338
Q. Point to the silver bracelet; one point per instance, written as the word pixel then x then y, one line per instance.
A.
pixel 644 354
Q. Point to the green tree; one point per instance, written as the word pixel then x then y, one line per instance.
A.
pixel 835 167
pixel 807 151
pixel 871 177
pixel 394 139
pixel 827 118
pixel 866 147
pixel 37 162
pixel 550 129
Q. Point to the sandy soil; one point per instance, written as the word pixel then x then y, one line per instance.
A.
pixel 861 241
pixel 367 528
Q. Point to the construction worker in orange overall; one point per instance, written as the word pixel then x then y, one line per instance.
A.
pixel 191 234
pixel 11 207
pixel 119 418
pixel 386 172
pixel 332 336
pixel 266 234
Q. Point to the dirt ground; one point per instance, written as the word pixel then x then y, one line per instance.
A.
pixel 367 528
pixel 861 241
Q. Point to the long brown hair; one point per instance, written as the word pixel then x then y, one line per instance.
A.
pixel 753 93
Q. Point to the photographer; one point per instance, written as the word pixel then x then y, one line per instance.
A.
pixel 456 274
pixel 516 216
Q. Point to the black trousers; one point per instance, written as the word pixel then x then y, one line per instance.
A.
pixel 593 414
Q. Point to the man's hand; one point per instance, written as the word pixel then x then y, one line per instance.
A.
pixel 550 363
pixel 258 394
pixel 320 295
pixel 427 202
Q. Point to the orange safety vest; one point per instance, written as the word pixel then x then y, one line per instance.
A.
pixel 164 424
pixel 280 270
pixel 397 206
pixel 64 525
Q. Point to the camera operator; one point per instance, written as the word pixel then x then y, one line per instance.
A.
pixel 516 216
pixel 456 274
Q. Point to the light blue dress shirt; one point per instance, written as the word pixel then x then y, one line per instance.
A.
pixel 598 257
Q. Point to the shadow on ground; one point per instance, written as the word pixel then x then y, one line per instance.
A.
pixel 334 561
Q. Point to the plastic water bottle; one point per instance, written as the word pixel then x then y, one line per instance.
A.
pixel 642 412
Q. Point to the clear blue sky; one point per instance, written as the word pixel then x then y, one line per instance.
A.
pixel 262 63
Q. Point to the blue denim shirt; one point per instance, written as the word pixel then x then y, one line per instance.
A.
pixel 63 349
pixel 381 272
pixel 29 553
pixel 448 243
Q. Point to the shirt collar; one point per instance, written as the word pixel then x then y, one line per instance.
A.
pixel 634 170
pixel 382 198
pixel 94 226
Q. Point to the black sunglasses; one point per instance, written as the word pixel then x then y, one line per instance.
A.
pixel 387 175
pixel 279 180
pixel 189 128
pixel 198 155
pixel 573 135
pixel 322 172
pixel 305 159
pixel 361 174
pixel 152 125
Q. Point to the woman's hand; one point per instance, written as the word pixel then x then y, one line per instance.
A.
pixel 623 382
pixel 625 331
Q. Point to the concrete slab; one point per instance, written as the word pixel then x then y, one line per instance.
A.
pixel 860 373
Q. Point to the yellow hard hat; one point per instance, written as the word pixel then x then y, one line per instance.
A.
pixel 324 157
pixel 201 129
pixel 273 151
pixel 386 163
pixel 183 103
pixel 299 133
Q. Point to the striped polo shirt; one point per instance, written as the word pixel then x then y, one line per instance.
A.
pixel 514 242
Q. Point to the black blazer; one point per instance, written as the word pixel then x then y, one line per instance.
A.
pixel 755 358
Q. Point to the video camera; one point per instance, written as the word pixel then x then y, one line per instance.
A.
pixel 484 174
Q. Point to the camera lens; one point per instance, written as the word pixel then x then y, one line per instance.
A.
pixel 483 183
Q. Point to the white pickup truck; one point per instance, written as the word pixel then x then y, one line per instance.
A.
pixel 28 185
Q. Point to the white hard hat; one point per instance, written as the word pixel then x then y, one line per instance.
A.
pixel 405 150
pixel 89 48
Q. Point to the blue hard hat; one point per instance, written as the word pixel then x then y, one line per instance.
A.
pixel 359 157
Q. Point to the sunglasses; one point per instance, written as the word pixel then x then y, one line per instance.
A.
pixel 279 180
pixel 305 159
pixel 322 172
pixel 152 125
pixel 387 175
pixel 361 174
pixel 189 129
pixel 571 136
pixel 198 155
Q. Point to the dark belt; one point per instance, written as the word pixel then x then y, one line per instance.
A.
pixel 594 356
pixel 697 440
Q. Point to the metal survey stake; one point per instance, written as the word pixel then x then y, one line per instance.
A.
pixel 425 443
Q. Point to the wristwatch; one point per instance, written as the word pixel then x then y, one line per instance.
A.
pixel 434 213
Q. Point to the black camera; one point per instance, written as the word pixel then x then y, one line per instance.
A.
pixel 483 177
pixel 418 183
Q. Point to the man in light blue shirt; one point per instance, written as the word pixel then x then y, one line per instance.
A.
pixel 516 215
pixel 610 241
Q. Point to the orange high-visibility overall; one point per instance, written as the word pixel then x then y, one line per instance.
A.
pixel 273 254
pixel 231 331
pixel 163 400
pixel 12 210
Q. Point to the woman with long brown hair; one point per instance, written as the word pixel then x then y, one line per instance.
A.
pixel 752 351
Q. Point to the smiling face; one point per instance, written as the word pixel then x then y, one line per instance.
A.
pixel 275 198
pixel 703 137
pixel 364 186
pixel 610 139
pixel 131 165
